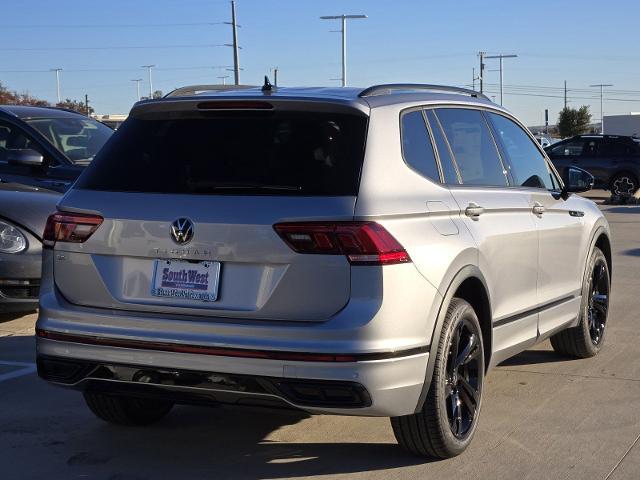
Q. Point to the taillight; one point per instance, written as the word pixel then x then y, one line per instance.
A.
pixel 364 243
pixel 70 227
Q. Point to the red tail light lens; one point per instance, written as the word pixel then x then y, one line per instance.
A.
pixel 364 243
pixel 70 227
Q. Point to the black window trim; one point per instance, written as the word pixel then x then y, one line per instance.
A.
pixel 483 108
pixel 446 141
pixel 430 137
pixel 505 172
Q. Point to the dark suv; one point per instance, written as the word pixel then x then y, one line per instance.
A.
pixel 47 147
pixel 613 160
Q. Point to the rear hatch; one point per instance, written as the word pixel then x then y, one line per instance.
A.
pixel 189 193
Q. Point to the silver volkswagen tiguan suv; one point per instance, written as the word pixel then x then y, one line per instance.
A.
pixel 344 251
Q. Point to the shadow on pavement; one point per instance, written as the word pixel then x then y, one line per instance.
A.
pixel 627 209
pixel 53 424
pixel 634 252
pixel 8 316
pixel 532 357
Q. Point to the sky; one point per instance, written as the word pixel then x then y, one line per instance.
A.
pixel 101 46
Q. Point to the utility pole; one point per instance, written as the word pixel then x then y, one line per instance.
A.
pixel 149 67
pixel 565 94
pixel 343 31
pixel 224 79
pixel 275 76
pixel 236 60
pixel 57 70
pixel 137 80
pixel 501 57
pixel 601 85
pixel 86 104
pixel 481 76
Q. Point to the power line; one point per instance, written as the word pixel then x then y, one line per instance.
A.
pixel 113 25
pixel 117 47
pixel 122 69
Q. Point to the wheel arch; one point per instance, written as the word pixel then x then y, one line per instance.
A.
pixel 469 284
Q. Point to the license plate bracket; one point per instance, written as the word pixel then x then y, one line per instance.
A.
pixel 185 280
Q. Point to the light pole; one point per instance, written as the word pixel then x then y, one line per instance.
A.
pixel 137 80
pixel 601 85
pixel 501 70
pixel 149 67
pixel 343 30
pixel 57 70
pixel 224 79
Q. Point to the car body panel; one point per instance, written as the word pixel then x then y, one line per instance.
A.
pixel 391 309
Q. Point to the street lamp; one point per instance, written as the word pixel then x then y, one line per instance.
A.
pixel 601 85
pixel 137 80
pixel 343 30
pixel 57 70
pixel 149 67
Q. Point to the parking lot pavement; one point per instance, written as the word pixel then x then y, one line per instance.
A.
pixel 543 417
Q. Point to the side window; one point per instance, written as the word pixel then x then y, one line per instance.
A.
pixel 416 145
pixel 571 148
pixel 528 166
pixel 446 162
pixel 13 138
pixel 591 147
pixel 473 147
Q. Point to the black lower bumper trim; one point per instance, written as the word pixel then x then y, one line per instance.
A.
pixel 188 386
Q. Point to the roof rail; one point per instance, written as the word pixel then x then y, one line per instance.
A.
pixel 195 89
pixel 391 87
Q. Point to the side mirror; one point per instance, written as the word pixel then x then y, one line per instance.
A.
pixel 576 180
pixel 26 157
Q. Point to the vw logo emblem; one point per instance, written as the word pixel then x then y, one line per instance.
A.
pixel 182 231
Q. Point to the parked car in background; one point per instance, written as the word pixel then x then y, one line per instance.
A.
pixel 23 215
pixel 47 147
pixel 613 160
pixel 543 141
pixel 345 251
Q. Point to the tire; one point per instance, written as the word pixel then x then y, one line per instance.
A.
pixel 126 410
pixel 624 183
pixel 587 338
pixel 449 417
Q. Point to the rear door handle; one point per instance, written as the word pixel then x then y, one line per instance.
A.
pixel 473 210
pixel 538 208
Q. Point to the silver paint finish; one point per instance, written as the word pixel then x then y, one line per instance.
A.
pixel 528 248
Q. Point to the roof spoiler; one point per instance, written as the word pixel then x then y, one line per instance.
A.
pixel 191 90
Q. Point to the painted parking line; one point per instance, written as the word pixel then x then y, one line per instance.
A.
pixel 24 369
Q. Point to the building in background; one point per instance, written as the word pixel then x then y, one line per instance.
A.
pixel 111 120
pixel 628 125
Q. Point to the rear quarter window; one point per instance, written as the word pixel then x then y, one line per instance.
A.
pixel 416 145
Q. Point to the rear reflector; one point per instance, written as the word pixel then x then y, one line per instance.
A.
pixel 363 243
pixel 70 227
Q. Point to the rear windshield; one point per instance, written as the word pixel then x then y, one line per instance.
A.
pixel 274 153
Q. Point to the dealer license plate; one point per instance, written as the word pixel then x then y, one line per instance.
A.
pixel 186 280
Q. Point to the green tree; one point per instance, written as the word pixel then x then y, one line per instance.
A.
pixel 157 94
pixel 75 105
pixel 573 121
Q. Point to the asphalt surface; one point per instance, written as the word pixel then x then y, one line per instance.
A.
pixel 543 417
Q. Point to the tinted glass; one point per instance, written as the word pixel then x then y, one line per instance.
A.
pixel 571 148
pixel 612 147
pixel 283 153
pixel 446 162
pixel 416 145
pixel 13 138
pixel 528 166
pixel 78 138
pixel 473 147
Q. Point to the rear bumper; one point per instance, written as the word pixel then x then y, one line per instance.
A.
pixel 389 387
